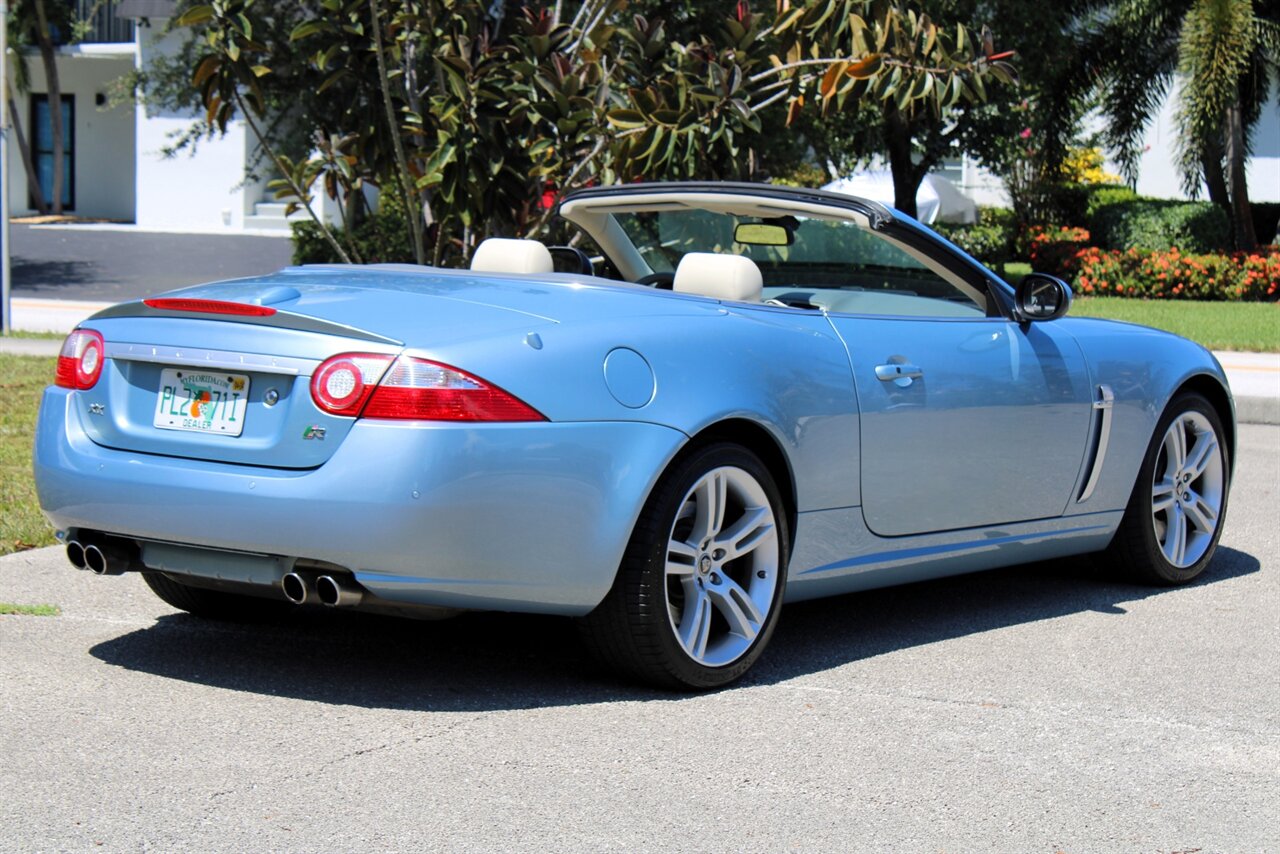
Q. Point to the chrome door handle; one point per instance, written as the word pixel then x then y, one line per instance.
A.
pixel 888 373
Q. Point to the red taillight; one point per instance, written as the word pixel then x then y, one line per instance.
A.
pixel 80 362
pixel 210 306
pixel 411 390
pixel 342 384
pixel 416 389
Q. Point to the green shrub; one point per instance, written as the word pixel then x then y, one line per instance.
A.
pixel 990 240
pixel 989 243
pixel 382 238
pixel 1038 201
pixel 1102 197
pixel 1158 224
pixel 1003 217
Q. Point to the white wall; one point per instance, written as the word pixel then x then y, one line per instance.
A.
pixel 104 151
pixel 1158 172
pixel 200 191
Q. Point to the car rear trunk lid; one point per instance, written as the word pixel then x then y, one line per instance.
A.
pixel 235 388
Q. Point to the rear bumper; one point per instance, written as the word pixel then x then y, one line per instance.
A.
pixel 523 517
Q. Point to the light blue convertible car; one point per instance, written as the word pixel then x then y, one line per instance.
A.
pixel 717 398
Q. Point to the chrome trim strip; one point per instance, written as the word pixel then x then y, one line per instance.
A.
pixel 195 357
pixel 1103 405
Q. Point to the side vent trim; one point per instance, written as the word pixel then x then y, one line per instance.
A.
pixel 1103 406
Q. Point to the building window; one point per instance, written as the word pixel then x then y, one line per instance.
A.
pixel 42 148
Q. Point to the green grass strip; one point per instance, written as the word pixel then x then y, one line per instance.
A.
pixel 1248 326
pixel 8 608
pixel 39 336
pixel 22 381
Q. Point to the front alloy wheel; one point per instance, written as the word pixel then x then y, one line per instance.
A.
pixel 698 592
pixel 1188 489
pixel 1174 519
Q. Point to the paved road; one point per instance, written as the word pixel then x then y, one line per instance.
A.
pixel 111 265
pixel 1037 709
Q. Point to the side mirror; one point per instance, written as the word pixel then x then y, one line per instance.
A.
pixel 1042 297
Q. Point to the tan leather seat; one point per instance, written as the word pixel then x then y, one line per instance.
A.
pixel 727 277
pixel 505 255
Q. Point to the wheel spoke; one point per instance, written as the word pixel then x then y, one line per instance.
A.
pixel 1175 443
pixel 681 558
pixel 1201 513
pixel 695 623
pixel 1175 537
pixel 1162 497
pixel 711 495
pixel 1201 454
pixel 744 535
pixel 737 607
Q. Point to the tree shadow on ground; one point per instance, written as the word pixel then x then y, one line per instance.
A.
pixel 511 661
pixel 49 278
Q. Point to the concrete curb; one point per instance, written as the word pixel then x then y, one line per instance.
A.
pixel 1258 410
pixel 30 346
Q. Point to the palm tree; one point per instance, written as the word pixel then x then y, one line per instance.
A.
pixel 1224 53
pixel 1217 52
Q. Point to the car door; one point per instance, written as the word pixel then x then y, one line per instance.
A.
pixel 965 422
pixel 968 418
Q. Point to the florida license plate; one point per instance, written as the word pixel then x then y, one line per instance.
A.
pixel 202 401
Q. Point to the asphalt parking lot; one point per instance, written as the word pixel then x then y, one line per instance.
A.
pixel 1037 709
pixel 111 264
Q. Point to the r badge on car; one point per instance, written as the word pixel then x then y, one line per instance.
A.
pixel 314 432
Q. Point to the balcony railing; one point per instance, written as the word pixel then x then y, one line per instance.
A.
pixel 105 27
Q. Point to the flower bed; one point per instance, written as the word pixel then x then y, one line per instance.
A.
pixel 1054 250
pixel 1174 275
pixel 1169 274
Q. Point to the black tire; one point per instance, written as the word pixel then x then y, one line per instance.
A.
pixel 214 604
pixel 634 629
pixel 1137 552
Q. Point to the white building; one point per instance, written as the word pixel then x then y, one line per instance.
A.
pixel 116 167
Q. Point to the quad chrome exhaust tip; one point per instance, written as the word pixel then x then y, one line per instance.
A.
pixel 101 558
pixel 75 554
pixel 338 591
pixel 305 587
pixel 300 588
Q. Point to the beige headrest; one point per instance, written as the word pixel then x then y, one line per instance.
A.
pixel 731 277
pixel 504 255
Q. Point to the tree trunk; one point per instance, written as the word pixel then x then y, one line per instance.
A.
pixel 33 180
pixel 1211 167
pixel 413 217
pixel 906 177
pixel 54 88
pixel 1237 184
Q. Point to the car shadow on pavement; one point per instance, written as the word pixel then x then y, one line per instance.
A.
pixel 512 661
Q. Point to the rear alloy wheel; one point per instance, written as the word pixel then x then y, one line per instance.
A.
pixel 1174 518
pixel 698 593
